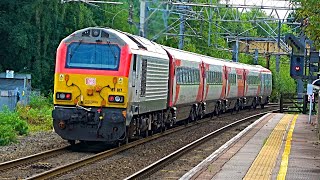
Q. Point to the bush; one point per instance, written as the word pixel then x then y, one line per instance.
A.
pixel 7 135
pixel 37 113
pixel 38 101
pixel 10 126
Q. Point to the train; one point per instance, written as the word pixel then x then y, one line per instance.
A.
pixel 111 86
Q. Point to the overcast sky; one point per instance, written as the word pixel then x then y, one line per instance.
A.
pixel 278 3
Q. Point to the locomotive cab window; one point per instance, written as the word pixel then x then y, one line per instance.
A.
pixel 93 56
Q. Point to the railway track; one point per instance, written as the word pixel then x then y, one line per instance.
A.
pixel 74 165
pixel 32 158
pixel 165 161
pixel 79 163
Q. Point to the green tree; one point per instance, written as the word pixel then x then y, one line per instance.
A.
pixel 309 16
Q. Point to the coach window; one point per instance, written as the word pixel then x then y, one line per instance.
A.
pixel 191 74
pixel 188 75
pixel 185 76
pixel 178 75
pixel 196 77
pixel 214 79
pixel 182 75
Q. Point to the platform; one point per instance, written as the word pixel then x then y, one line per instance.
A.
pixel 277 146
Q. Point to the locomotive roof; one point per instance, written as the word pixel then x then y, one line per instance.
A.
pixel 135 43
pixel 140 45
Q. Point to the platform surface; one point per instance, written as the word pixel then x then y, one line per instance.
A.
pixel 278 146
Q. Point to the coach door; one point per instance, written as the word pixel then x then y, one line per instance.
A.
pixel 203 81
pixel 262 84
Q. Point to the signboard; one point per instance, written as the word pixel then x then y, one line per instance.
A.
pixel 309 89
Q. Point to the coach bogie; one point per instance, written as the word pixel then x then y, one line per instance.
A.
pixel 202 110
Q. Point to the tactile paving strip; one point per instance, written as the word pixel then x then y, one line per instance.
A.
pixel 264 163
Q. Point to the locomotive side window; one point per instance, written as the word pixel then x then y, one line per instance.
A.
pixel 93 56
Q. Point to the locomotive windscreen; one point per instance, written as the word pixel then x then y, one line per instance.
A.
pixel 93 56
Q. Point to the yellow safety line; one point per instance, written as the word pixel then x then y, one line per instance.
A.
pixel 285 156
pixel 264 163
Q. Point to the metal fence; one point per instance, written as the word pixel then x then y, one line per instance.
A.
pixel 14 88
pixel 10 98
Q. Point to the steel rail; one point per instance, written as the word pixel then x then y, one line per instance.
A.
pixel 71 166
pixel 77 164
pixel 149 170
pixel 31 158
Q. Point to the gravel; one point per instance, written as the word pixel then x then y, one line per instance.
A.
pixel 31 144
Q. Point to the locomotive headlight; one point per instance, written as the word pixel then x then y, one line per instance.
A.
pixel 63 96
pixel 95 32
pixel 116 99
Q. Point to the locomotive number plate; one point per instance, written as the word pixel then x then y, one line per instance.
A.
pixel 91 81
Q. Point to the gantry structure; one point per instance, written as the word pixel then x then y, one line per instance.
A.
pixel 190 18
pixel 185 18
